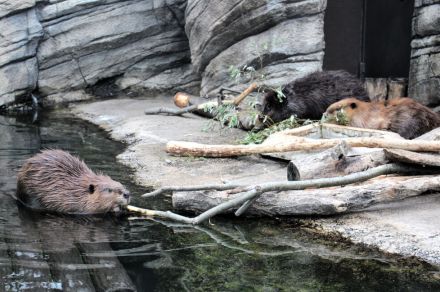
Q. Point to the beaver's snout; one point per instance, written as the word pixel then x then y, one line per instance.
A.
pixel 125 198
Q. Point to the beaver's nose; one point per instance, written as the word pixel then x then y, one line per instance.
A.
pixel 126 195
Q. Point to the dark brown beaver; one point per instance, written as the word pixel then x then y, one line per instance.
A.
pixel 309 97
pixel 54 180
pixel 404 116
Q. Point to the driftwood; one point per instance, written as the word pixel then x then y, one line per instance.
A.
pixel 306 138
pixel 330 201
pixel 248 194
pixel 200 107
pixel 333 162
pixel 181 148
pixel 412 157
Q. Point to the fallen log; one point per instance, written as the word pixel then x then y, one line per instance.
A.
pixel 412 157
pixel 182 148
pixel 247 194
pixel 328 201
pixel 333 162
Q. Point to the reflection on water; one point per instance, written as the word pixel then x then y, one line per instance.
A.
pixel 43 252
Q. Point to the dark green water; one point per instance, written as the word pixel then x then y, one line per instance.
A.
pixel 45 252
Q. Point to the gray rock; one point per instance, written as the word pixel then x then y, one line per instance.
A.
pixel 14 6
pixel 19 39
pixel 285 52
pixel 426 21
pixel 171 80
pixel 17 79
pixel 424 79
pixel 212 28
pixel 87 41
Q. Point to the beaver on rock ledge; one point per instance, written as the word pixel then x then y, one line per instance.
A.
pixel 56 181
pixel 309 96
pixel 404 116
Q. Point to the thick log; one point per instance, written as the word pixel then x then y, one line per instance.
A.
pixel 376 88
pixel 424 159
pixel 293 144
pixel 328 201
pixel 332 163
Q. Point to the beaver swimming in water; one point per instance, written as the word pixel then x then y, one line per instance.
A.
pixel 310 96
pixel 54 180
pixel 404 116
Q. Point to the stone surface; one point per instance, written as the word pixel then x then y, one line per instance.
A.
pixel 92 40
pixel 285 52
pixel 17 79
pixel 19 39
pixel 147 136
pixel 408 227
pixel 424 81
pixel 13 7
pixel 283 36
pixel 73 44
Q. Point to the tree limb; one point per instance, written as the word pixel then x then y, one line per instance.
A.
pixel 252 192
pixel 178 112
pixel 182 148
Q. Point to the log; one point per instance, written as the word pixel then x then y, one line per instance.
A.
pixel 397 87
pixel 192 149
pixel 333 162
pixel 376 88
pixel 424 159
pixel 328 201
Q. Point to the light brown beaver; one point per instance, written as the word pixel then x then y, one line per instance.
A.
pixel 54 180
pixel 404 116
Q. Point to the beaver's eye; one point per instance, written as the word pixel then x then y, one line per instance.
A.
pixel 91 189
pixel 353 105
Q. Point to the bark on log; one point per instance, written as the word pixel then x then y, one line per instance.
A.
pixel 398 155
pixel 328 201
pixel 181 148
pixel 332 163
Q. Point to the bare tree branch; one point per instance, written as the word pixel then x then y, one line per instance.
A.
pixel 252 192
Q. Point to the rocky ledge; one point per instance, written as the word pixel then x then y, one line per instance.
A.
pixel 409 228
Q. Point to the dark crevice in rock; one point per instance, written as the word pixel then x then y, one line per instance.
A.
pixel 105 88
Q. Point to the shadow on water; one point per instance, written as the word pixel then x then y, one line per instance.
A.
pixel 41 251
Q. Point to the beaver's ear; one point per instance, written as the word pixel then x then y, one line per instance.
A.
pixel 353 105
pixel 91 188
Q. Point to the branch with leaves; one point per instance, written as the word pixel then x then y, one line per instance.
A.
pixel 191 108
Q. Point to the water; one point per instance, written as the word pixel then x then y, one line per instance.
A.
pixel 47 252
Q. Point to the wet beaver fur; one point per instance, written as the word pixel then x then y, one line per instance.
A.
pixel 404 116
pixel 54 180
pixel 310 96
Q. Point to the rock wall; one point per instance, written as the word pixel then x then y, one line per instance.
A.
pixel 283 39
pixel 19 38
pixel 58 48
pixel 424 79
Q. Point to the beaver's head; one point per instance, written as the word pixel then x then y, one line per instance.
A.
pixel 341 112
pixel 106 194
pixel 274 108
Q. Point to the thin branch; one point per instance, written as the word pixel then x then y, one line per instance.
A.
pixel 178 112
pixel 171 111
pixel 254 191
pixel 219 187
